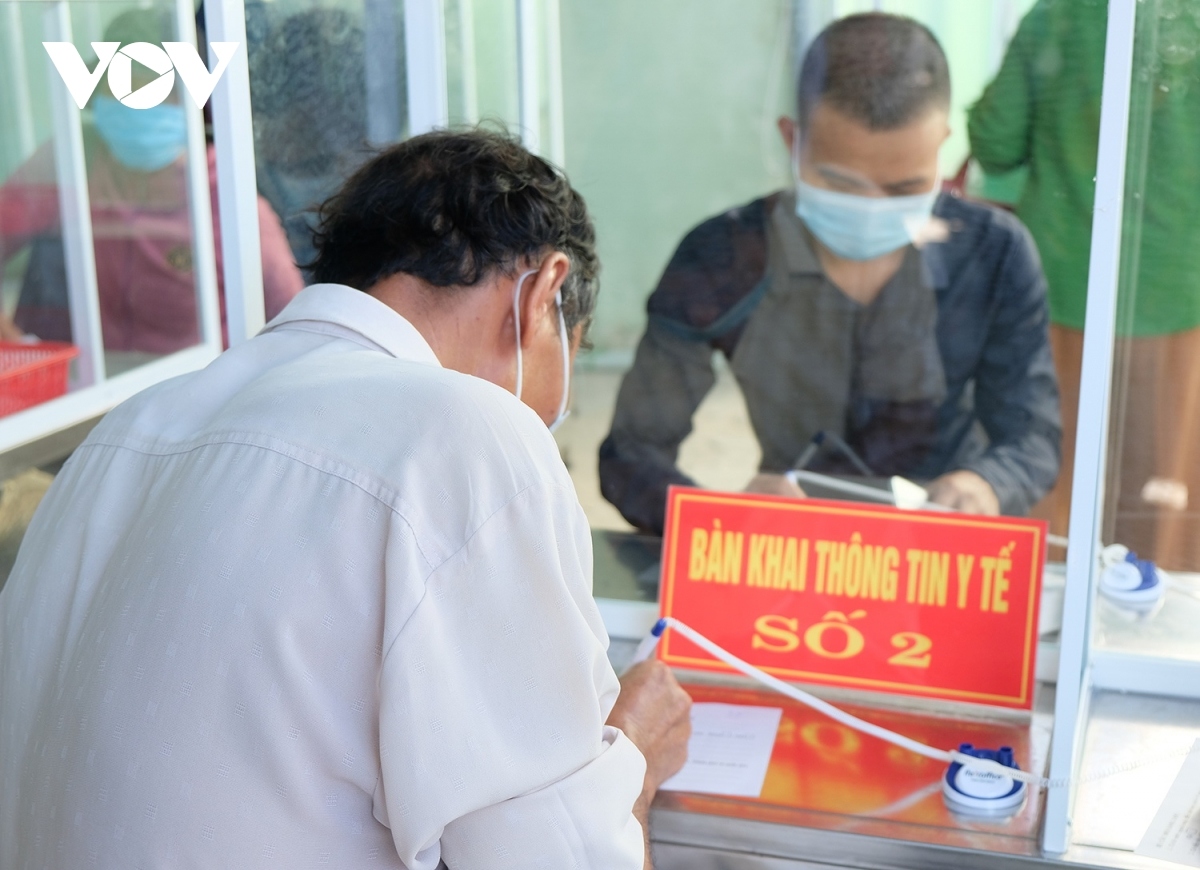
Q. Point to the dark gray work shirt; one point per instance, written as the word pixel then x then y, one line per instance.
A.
pixel 948 368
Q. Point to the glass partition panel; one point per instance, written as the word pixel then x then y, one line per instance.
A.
pixel 327 84
pixel 669 118
pixel 1153 480
pixel 813 283
pixel 98 243
pixel 483 62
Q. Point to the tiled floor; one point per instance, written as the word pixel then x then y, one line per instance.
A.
pixel 19 498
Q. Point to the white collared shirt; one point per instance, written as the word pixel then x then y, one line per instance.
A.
pixel 322 604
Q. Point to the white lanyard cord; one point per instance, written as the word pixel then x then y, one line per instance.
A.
pixel 951 756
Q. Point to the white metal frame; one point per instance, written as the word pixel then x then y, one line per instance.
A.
pixel 556 149
pixel 15 71
pixel 75 211
pixel 465 11
pixel 1142 674
pixel 528 79
pixel 208 307
pixel 93 392
pixel 39 421
pixel 237 185
pixel 539 61
pixel 1075 677
pixel 425 54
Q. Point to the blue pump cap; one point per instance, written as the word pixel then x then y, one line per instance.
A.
pixel 985 793
pixel 1146 568
pixel 1003 755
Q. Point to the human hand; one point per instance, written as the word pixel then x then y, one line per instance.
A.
pixel 655 713
pixel 774 484
pixel 9 330
pixel 965 491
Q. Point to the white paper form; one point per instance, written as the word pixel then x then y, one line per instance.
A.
pixel 1174 835
pixel 729 750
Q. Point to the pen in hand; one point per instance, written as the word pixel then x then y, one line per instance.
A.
pixel 649 643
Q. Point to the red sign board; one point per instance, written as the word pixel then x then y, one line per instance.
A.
pixel 940 605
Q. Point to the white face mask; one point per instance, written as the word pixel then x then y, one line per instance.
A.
pixel 563 413
pixel 862 227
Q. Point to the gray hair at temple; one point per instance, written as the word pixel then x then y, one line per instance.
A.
pixel 882 70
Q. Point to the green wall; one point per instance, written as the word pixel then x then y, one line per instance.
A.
pixel 670 111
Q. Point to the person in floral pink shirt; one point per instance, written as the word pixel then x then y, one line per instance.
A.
pixel 141 227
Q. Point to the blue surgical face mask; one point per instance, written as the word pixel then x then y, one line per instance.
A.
pixel 863 227
pixel 563 413
pixel 143 139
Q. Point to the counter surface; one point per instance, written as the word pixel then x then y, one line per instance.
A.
pixel 836 798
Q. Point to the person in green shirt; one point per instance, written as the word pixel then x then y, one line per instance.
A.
pixel 1042 112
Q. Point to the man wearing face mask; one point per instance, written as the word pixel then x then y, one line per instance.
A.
pixel 328 600
pixel 141 224
pixel 862 306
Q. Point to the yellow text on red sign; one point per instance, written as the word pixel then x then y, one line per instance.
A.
pixel 931 604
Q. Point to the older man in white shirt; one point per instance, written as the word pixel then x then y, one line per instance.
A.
pixel 327 603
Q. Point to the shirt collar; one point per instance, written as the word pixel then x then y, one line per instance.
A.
pixel 793 237
pixel 933 255
pixel 360 314
pixel 933 265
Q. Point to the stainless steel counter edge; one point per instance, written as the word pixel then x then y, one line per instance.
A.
pixel 815 846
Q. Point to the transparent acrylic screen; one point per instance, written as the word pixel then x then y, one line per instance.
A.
pixel 327 85
pixel 134 166
pixel 482 63
pixel 671 121
pixel 1152 500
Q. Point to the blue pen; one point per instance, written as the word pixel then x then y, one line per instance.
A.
pixel 649 643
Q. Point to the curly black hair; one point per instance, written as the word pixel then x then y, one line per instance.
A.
pixel 451 208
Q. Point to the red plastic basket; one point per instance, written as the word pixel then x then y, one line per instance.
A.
pixel 32 373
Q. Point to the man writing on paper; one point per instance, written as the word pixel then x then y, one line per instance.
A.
pixel 328 601
pixel 861 304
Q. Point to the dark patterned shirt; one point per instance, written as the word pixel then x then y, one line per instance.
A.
pixel 948 368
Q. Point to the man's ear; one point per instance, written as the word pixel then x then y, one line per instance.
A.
pixel 789 130
pixel 538 306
